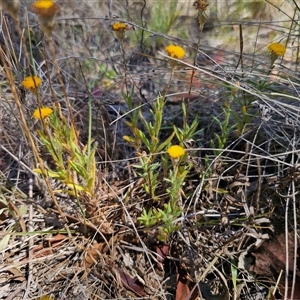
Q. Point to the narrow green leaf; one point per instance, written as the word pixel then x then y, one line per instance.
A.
pixel 4 242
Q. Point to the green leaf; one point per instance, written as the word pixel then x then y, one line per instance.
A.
pixel 50 173
pixel 4 242
pixel 233 273
pixel 218 121
pixel 165 143
pixel 23 210
pixel 144 139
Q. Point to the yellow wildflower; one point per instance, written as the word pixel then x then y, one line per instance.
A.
pixel 42 113
pixel 119 26
pixel 119 29
pixel 45 9
pixel 277 49
pixel 175 51
pixel 46 4
pixel 31 83
pixel 176 151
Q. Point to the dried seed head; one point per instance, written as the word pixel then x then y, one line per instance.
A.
pixel 200 5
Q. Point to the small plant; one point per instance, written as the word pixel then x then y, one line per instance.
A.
pixel 46 10
pixel 177 175
pixel 225 128
pixel 241 102
pixel 149 172
pixel 8 208
pixel 164 19
pixel 163 193
pixel 148 167
pixel 150 136
pixel 119 29
pixel 74 164
pixel 149 140
pixel 188 132
pixel 172 209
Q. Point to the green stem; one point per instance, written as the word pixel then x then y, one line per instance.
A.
pixel 90 127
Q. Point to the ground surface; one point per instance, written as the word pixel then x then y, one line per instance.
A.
pixel 238 228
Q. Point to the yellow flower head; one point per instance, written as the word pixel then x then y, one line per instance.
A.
pixel 277 49
pixel 31 83
pixel 46 8
pixel 119 26
pixel 175 51
pixel 42 113
pixel 176 151
pixel 119 29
